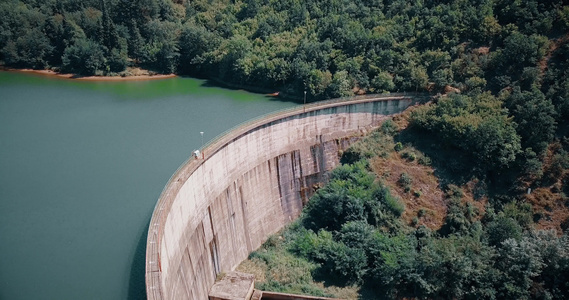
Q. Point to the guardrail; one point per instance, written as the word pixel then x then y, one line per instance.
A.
pixel 312 105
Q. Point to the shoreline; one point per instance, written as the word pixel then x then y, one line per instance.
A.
pixel 51 73
pixel 253 89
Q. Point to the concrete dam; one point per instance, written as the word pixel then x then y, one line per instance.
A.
pixel 250 183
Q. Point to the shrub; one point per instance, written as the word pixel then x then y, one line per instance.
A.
pixel 304 243
pixel 410 156
pixel 521 212
pixel 398 147
pixel 424 160
pixel 404 179
pixel 376 143
pixel 351 155
pixel 457 219
pixel 356 234
pixel 501 229
pixel 393 204
pixel 454 192
pixel 421 212
pixel 389 127
pixel 347 265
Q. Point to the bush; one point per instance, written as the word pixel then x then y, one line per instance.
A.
pixel 501 229
pixel 454 192
pixel 521 212
pixel 376 143
pixel 422 212
pixel 392 204
pixel 415 221
pixel 356 234
pixel 305 243
pixel 352 195
pixel 404 179
pixel 458 220
pixel 410 156
pixel 389 127
pixel 398 147
pixel 347 265
pixel 424 160
pixel 351 155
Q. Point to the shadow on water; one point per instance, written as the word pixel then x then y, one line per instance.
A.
pixel 137 284
pixel 268 92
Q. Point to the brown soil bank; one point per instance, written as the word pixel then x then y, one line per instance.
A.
pixel 137 74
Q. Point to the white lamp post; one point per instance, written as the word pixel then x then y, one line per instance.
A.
pixel 304 106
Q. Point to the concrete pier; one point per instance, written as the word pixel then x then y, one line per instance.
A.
pixel 250 183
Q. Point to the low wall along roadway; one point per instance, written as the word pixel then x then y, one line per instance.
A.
pixel 252 181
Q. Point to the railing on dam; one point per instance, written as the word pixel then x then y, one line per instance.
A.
pixel 157 227
pixel 309 106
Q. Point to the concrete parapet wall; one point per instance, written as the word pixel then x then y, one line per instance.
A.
pixel 253 181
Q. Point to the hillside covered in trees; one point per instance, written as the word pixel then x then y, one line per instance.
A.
pixel 328 48
pixel 402 218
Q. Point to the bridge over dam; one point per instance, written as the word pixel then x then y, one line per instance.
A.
pixel 250 183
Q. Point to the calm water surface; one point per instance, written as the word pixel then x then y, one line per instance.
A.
pixel 81 167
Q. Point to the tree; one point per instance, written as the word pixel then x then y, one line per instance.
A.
pixel 344 199
pixel 340 85
pixel 161 52
pixel 392 262
pixel 318 82
pixel 195 41
pixel 535 116
pixel 475 124
pixel 85 57
pixel 519 262
pixel 519 51
pixel 31 50
pixel 382 82
pixel 502 229
pixel 109 35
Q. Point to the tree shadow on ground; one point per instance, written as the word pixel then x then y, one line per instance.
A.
pixel 451 165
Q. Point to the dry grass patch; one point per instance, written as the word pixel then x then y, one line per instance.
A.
pixel 551 208
pixel 256 267
pixel 424 200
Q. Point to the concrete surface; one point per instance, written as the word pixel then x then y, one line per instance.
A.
pixel 233 286
pixel 253 181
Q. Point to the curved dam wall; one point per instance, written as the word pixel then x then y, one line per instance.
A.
pixel 251 183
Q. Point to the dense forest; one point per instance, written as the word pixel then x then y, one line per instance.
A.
pixel 496 135
pixel 328 48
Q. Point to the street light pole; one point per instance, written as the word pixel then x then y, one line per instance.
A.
pixel 201 132
pixel 304 106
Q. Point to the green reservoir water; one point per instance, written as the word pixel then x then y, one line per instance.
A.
pixel 81 167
